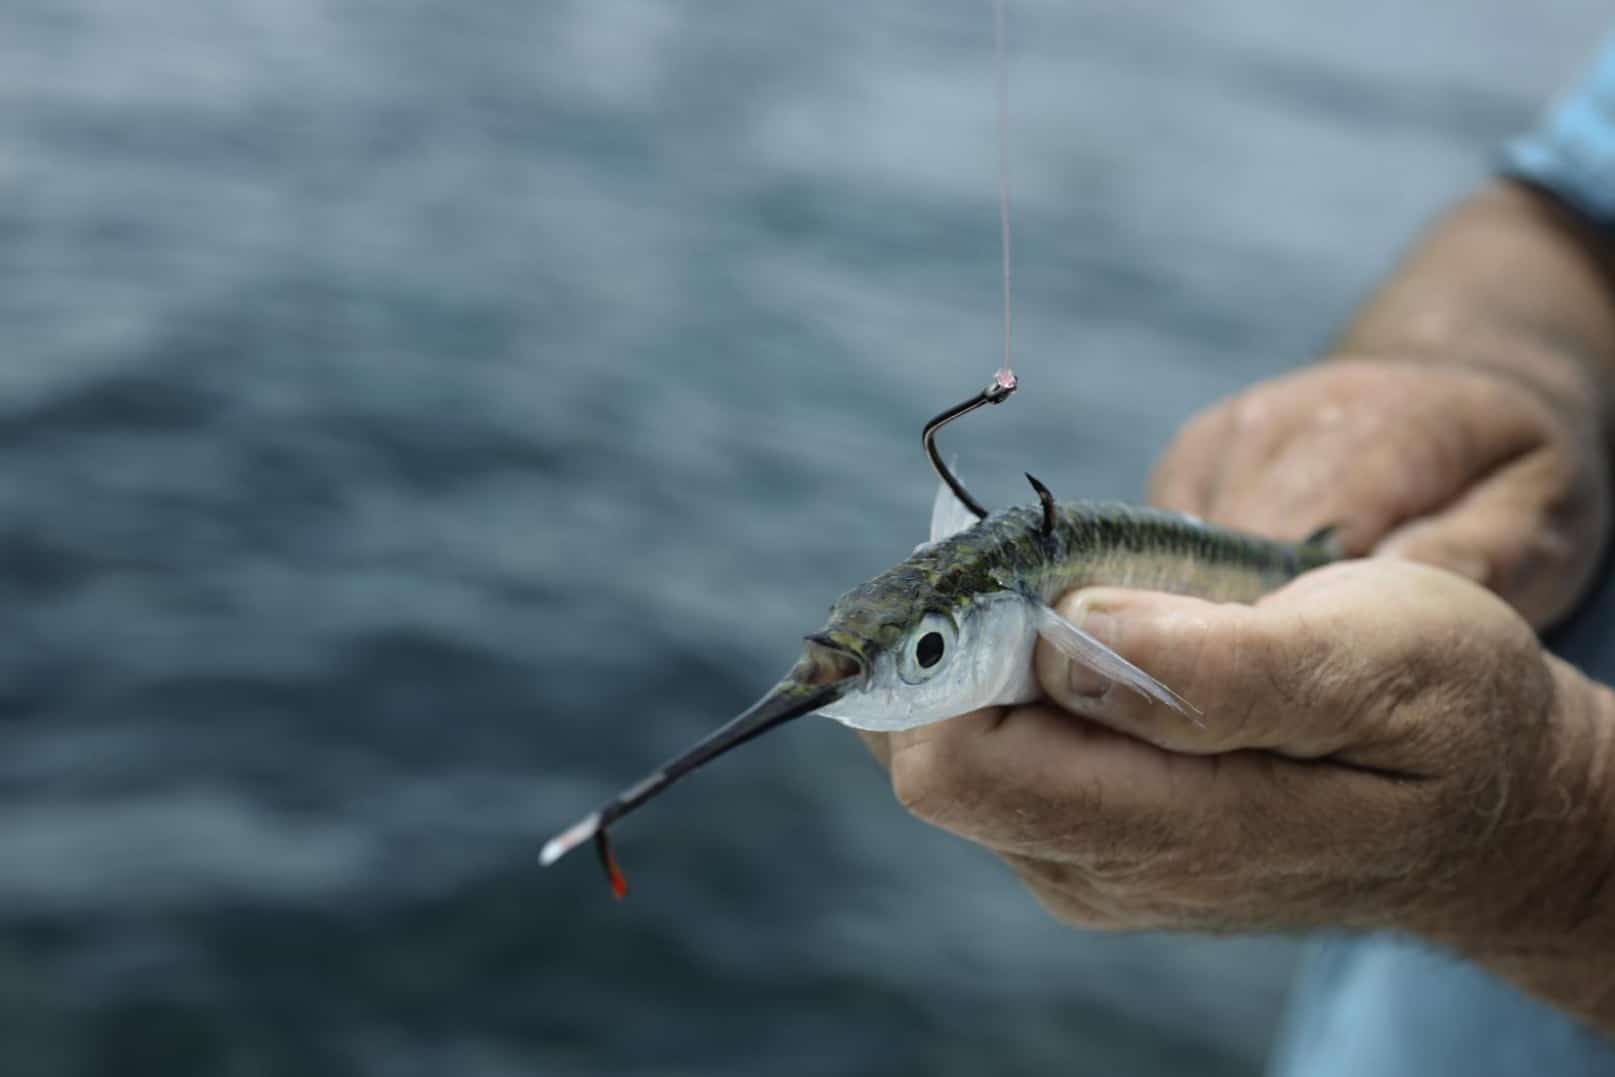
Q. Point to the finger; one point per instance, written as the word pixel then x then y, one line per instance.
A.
pixel 1264 423
pixel 1342 823
pixel 1515 534
pixel 1355 466
pixel 1222 461
pixel 1249 670
pixel 1037 781
pixel 1045 789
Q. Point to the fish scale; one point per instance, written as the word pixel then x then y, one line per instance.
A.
pixel 1094 543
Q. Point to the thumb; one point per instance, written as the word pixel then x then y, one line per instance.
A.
pixel 1245 668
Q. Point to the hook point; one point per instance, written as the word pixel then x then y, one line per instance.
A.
pixel 1047 500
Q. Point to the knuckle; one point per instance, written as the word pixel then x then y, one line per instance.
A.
pixel 1253 410
pixel 1063 892
pixel 1190 460
pixel 1064 909
pixel 1301 676
pixel 1192 643
pixel 932 780
pixel 1210 660
pixel 1205 425
pixel 1251 678
pixel 1122 868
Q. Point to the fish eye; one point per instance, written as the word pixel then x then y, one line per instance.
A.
pixel 927 648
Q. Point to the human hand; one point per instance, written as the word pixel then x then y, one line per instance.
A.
pixel 1459 467
pixel 1383 745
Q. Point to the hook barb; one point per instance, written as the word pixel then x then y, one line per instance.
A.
pixel 1047 500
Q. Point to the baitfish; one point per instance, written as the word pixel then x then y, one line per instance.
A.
pixel 952 628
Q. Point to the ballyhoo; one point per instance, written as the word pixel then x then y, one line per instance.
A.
pixel 952 628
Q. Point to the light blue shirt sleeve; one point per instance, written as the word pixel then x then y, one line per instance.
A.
pixel 1572 153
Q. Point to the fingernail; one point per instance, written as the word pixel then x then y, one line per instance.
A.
pixel 1084 682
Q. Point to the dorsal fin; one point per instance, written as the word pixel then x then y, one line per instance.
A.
pixel 1046 499
pixel 1328 536
pixel 1326 542
pixel 949 515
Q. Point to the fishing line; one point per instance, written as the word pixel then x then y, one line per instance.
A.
pixel 1004 381
pixel 825 675
pixel 1006 374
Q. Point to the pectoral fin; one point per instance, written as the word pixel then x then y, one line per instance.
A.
pixel 1079 646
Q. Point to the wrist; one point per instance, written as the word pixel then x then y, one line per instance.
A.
pixel 1510 283
pixel 1553 935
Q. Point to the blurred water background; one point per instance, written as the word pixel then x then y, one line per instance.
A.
pixel 417 419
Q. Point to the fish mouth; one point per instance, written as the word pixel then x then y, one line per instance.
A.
pixel 821 676
pixel 827 661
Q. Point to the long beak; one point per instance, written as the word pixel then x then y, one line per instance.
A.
pixel 819 679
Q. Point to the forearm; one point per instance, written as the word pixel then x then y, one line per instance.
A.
pixel 1509 280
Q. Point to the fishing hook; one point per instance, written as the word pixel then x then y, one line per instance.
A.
pixel 1047 500
pixel 1003 384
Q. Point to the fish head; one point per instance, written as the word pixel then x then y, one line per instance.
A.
pixel 902 650
pixel 923 650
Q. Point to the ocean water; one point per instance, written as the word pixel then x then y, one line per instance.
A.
pixel 417 419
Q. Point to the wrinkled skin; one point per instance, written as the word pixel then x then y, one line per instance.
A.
pixel 1403 712
pixel 1469 469
pixel 1383 743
